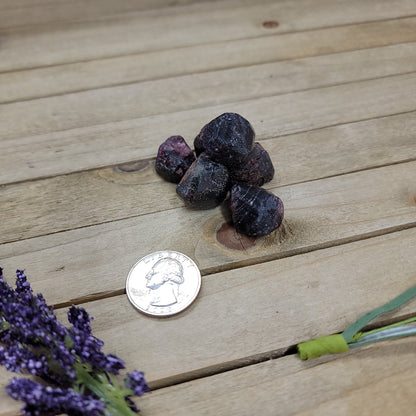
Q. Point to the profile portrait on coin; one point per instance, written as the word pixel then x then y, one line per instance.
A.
pixel 164 279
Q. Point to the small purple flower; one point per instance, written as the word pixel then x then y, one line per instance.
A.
pixel 80 319
pixel 53 401
pixel 136 382
pixel 113 364
pixel 16 358
pixel 35 342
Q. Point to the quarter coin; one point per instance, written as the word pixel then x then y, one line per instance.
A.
pixel 163 283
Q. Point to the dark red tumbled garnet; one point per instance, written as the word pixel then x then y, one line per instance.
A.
pixel 228 139
pixel 257 169
pixel 255 211
pixel 174 158
pixel 198 146
pixel 205 184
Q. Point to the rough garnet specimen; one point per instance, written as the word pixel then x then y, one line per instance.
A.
pixel 174 158
pixel 257 169
pixel 205 184
pixel 228 139
pixel 198 146
pixel 255 211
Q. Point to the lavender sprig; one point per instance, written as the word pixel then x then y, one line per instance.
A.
pixel 81 377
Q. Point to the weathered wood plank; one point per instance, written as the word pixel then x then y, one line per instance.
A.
pixel 319 214
pixel 110 194
pixel 261 310
pixel 150 98
pixel 15 13
pixel 61 79
pixel 67 151
pixel 168 28
pixel 376 380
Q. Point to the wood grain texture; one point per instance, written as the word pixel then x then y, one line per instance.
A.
pixel 375 380
pixel 88 91
pixel 21 13
pixel 47 154
pixel 116 193
pixel 317 214
pixel 260 310
pixel 60 79
pixel 202 90
pixel 167 29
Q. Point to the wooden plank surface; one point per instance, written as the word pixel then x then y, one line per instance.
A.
pixel 357 382
pixel 304 156
pixel 88 91
pixel 87 147
pixel 318 214
pixel 234 304
pixel 181 27
pixel 65 78
pixel 356 277
pixel 21 13
pixel 202 90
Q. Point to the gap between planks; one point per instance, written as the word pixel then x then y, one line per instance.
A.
pixel 271 116
pixel 399 63
pixel 167 209
pixel 258 261
pixel 302 283
pixel 364 270
pixel 121 103
pixel 319 214
pixel 17 85
pixel 369 380
pixel 299 158
pixel 129 36
pixel 202 57
pixel 350 380
pixel 138 165
pixel 293 286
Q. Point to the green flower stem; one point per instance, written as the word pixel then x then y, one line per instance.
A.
pixel 386 334
pixel 111 393
pixel 395 325
pixel 4 324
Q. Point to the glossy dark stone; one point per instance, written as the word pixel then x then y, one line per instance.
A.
pixel 257 169
pixel 228 139
pixel 205 184
pixel 255 211
pixel 174 158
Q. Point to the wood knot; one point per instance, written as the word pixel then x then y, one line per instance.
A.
pixel 270 24
pixel 230 238
pixel 132 166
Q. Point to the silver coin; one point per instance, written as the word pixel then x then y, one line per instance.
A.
pixel 163 283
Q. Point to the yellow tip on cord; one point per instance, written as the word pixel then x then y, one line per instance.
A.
pixel 332 344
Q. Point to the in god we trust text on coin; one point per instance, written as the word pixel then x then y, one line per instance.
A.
pixel 163 283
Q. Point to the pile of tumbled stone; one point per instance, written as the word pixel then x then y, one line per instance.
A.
pixel 227 159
